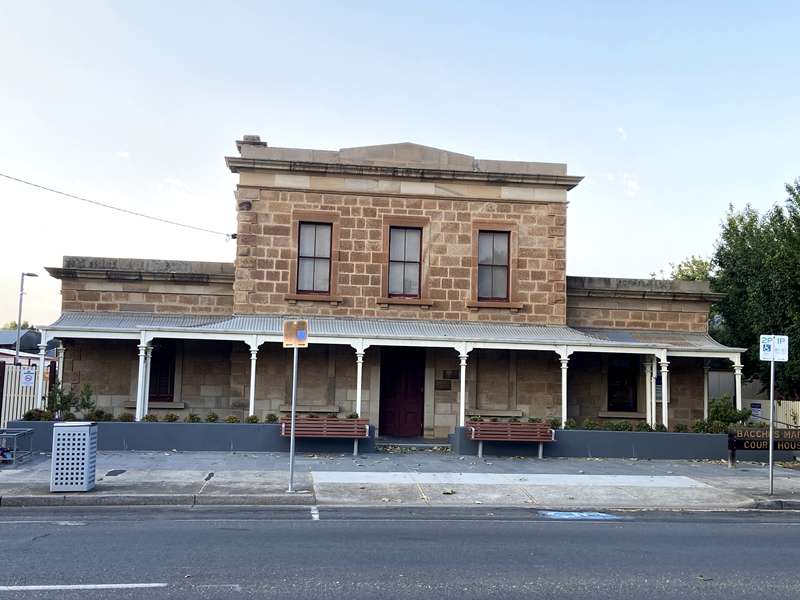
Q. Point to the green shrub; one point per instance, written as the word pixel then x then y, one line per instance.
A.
pixel 68 416
pixel 590 424
pixel 722 410
pixel 171 418
pixel 212 417
pixel 151 418
pixel 761 424
pixel 98 414
pixel 353 415
pixel 554 423
pixel 475 419
pixel 700 426
pixel 532 419
pixel 60 401
pixel 251 419
pixel 570 424
pixel 193 418
pixel 680 428
pixel 85 402
pixel 513 420
pixel 37 414
pixel 642 426
pixel 660 428
pixel 270 418
pixel 127 417
pixel 718 426
pixel 232 419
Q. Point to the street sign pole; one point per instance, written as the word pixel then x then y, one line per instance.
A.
pixel 294 415
pixel 771 412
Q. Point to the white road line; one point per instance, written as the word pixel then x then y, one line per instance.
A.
pixel 87 586
pixel 314 513
pixel 30 522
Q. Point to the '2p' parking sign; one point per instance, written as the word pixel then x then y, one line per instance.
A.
pixel 774 347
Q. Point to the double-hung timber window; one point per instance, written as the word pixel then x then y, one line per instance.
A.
pixel 623 382
pixel 493 265
pixel 405 253
pixel 314 258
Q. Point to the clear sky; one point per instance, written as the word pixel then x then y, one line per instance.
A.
pixel 671 110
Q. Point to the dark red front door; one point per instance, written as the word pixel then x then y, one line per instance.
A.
pixel 402 391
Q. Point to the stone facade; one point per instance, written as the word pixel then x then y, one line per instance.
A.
pixel 654 304
pixel 362 193
pixel 144 286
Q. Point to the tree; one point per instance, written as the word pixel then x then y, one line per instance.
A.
pixel 13 325
pixel 757 263
pixel 694 268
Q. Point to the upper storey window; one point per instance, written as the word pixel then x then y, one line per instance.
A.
pixel 405 252
pixel 493 265
pixel 314 258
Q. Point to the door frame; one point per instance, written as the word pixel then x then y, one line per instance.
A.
pixel 424 376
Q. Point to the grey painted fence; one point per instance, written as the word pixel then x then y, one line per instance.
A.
pixel 616 444
pixel 187 437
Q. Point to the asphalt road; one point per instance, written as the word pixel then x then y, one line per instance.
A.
pixel 395 553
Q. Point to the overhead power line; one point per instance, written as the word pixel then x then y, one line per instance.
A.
pixel 229 236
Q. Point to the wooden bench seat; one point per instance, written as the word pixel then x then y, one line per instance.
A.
pixel 306 427
pixel 481 431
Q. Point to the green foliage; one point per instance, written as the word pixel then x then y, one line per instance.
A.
pixel 270 418
pixel 353 415
pixel 618 426
pixel 98 414
pixel 13 325
pixel 193 418
pixel 723 410
pixel 642 426
pixel 513 420
pixel 212 417
pixel 681 428
pixel 251 419
pixel 232 419
pixel 590 424
pixel 69 416
pixel 694 268
pixel 37 414
pixel 533 419
pixel 171 418
pixel 554 423
pixel 570 424
pixel 475 419
pixel 151 418
pixel 660 428
pixel 85 402
pixel 127 417
pixel 757 261
pixel 61 401
pixel 700 426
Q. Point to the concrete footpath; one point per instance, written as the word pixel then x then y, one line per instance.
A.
pixel 422 478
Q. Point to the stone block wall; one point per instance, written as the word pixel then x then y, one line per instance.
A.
pixel 267 252
pixel 143 285
pixel 654 304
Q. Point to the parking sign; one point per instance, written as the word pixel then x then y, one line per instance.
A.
pixel 27 377
pixel 774 347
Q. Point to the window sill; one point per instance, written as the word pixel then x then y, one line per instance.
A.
pixel 512 306
pixel 401 301
pixel 621 415
pixel 175 405
pixel 295 298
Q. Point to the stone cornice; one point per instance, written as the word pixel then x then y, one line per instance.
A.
pixel 238 164
pixel 124 275
pixel 650 294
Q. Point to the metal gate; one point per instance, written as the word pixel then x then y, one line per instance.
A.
pixel 19 391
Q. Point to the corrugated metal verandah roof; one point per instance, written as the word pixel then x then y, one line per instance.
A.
pixel 459 331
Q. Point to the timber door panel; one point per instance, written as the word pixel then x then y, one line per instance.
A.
pixel 402 403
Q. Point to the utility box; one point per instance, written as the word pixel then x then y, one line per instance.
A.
pixel 74 457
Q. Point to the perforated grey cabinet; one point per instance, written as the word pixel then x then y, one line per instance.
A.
pixel 74 457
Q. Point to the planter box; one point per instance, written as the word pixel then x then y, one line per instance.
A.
pixel 195 437
pixel 578 443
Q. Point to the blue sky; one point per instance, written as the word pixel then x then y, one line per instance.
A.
pixel 671 110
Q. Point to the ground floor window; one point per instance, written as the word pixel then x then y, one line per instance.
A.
pixel 623 383
pixel 162 371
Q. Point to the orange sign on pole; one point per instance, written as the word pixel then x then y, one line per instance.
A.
pixel 295 334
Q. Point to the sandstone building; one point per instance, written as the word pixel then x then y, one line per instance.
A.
pixel 435 287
